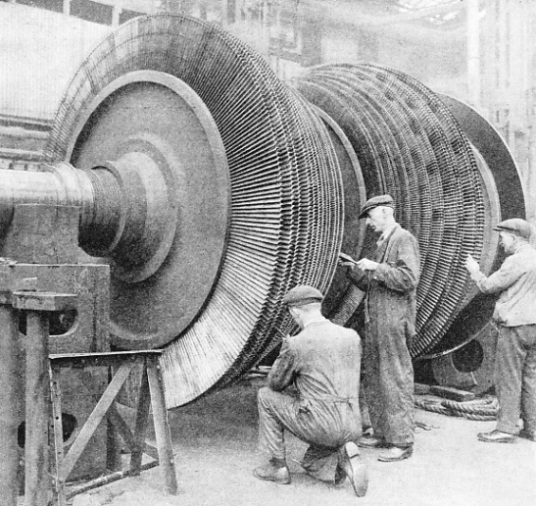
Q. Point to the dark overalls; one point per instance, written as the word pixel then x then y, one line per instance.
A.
pixel 323 363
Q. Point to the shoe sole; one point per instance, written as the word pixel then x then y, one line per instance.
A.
pixel 396 459
pixel 503 441
pixel 363 444
pixel 278 482
pixel 358 475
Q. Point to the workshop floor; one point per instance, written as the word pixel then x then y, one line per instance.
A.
pixel 215 452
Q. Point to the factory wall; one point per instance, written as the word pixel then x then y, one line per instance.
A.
pixel 477 51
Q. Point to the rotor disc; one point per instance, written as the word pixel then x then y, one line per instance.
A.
pixel 285 211
pixel 409 145
pixel 158 115
pixel 504 199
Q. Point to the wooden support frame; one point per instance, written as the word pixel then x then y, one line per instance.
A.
pixel 151 394
pixel 47 465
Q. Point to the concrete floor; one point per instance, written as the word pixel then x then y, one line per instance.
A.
pixel 215 452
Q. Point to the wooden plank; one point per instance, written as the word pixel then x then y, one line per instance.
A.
pixel 122 427
pixel 104 480
pixel 452 393
pixel 94 419
pixel 115 418
pixel 142 420
pixel 9 393
pixel 151 451
pixel 119 423
pixel 161 426
pixel 55 392
pixel 421 389
pixel 37 411
pixel 101 358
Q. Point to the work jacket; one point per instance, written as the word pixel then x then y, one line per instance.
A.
pixel 390 301
pixel 516 283
pixel 323 363
pixel 390 311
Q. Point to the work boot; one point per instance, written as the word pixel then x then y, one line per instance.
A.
pixel 371 442
pixel 273 472
pixel 395 454
pixel 496 436
pixel 352 465
pixel 527 434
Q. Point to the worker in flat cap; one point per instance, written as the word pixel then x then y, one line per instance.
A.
pixel 515 315
pixel 312 392
pixel 389 278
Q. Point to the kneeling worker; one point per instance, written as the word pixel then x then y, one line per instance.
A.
pixel 323 363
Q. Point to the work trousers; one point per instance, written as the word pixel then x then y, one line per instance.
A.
pixel 515 378
pixel 388 385
pixel 325 426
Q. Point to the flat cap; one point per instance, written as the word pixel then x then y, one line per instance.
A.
pixel 516 226
pixel 301 295
pixel 380 200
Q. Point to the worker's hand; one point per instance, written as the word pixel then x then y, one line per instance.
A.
pixel 346 260
pixel 472 265
pixel 367 265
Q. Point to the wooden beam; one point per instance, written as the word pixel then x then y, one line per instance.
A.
pixel 94 420
pixel 55 393
pixel 142 421
pixel 161 425
pixel 9 350
pixel 452 393
pixel 37 410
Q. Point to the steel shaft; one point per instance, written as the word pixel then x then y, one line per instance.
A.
pixel 123 207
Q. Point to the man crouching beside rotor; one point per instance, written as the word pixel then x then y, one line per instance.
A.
pixel 322 363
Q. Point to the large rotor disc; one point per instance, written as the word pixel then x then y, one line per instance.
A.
pixel 285 210
pixel 504 199
pixel 159 116
pixel 409 145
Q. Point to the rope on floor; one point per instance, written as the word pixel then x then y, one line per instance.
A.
pixel 484 409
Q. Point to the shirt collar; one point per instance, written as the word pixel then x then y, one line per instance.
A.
pixel 524 247
pixel 312 322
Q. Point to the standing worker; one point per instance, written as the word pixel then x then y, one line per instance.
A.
pixel 515 314
pixel 390 281
pixel 320 362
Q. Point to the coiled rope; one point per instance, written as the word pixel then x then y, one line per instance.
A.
pixel 484 409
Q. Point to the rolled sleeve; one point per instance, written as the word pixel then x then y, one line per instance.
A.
pixel 358 277
pixel 499 281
